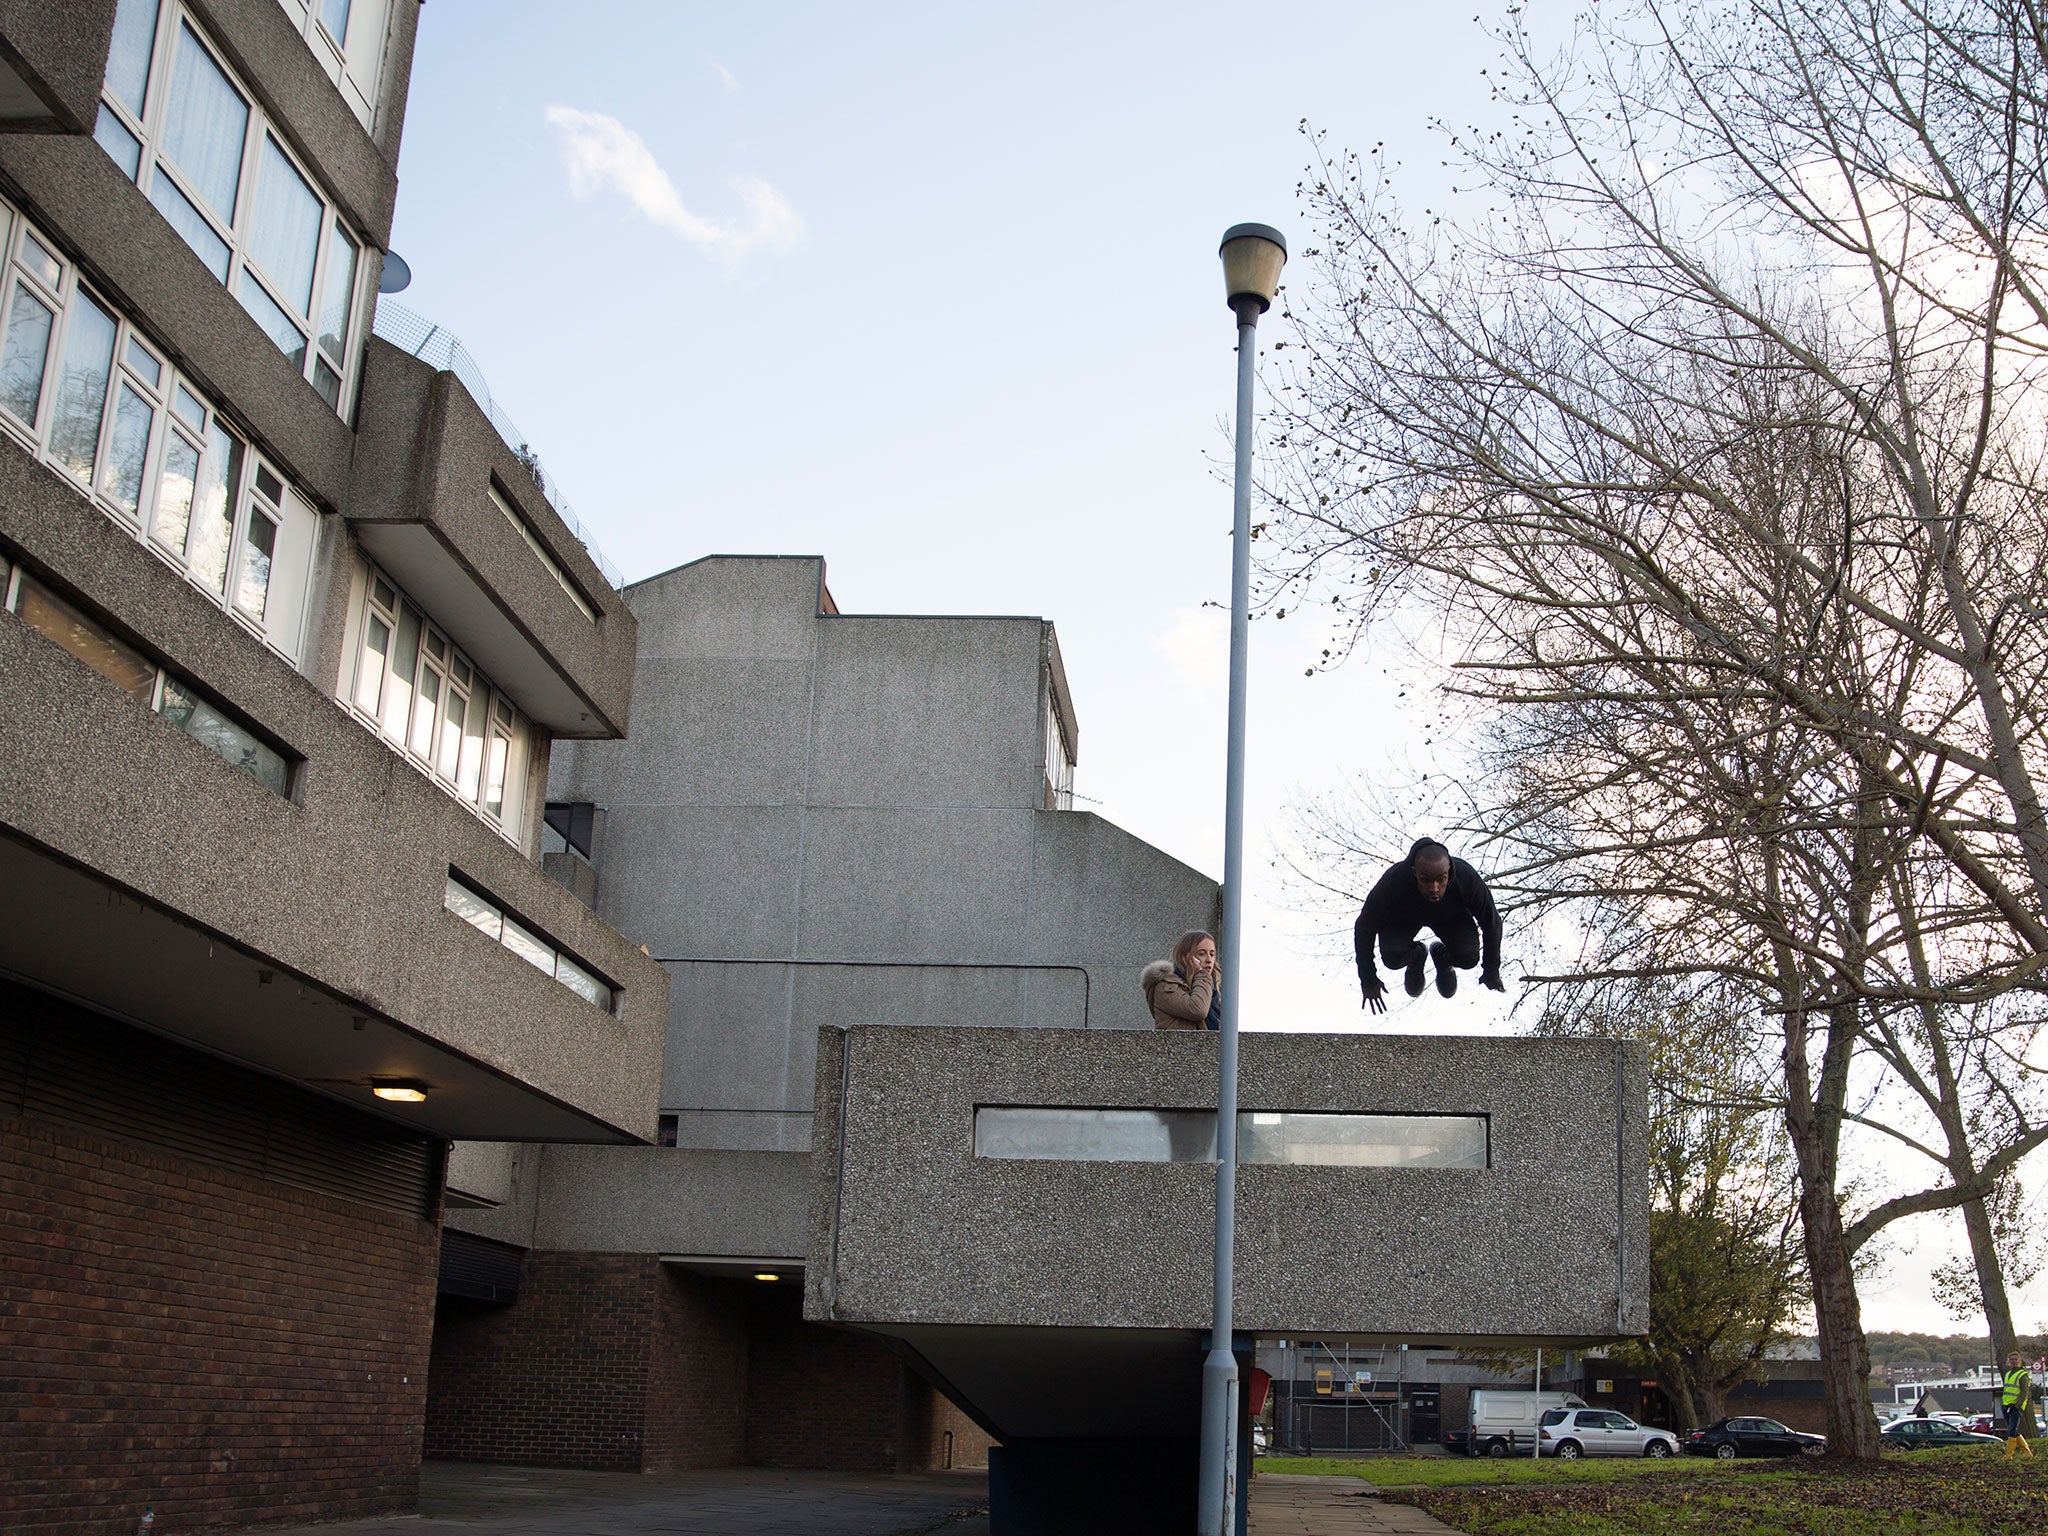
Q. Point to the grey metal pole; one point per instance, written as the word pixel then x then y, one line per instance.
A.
pixel 1217 1509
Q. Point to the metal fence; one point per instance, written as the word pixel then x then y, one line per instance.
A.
pixel 439 348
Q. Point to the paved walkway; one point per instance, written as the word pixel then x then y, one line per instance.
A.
pixel 457 1499
pixel 1332 1506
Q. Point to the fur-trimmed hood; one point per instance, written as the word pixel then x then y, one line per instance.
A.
pixel 1155 973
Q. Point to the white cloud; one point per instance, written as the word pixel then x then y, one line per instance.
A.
pixel 604 155
pixel 726 77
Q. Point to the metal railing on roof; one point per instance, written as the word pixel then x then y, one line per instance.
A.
pixel 439 348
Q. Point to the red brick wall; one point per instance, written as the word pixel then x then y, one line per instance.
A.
pixel 697 1381
pixel 226 1348
pixel 558 1378
pixel 618 1361
pixel 836 1400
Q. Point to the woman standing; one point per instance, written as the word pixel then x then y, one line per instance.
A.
pixel 1186 992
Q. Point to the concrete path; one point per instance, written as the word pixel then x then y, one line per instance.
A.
pixel 1283 1505
pixel 466 1500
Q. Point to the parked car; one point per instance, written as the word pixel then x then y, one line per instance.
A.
pixel 1569 1433
pixel 1923 1434
pixel 1982 1424
pixel 1730 1438
pixel 1505 1423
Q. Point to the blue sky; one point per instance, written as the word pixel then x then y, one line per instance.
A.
pixel 931 290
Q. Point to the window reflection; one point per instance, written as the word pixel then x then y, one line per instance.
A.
pixel 1073 1133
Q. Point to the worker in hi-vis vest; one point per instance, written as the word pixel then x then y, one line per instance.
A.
pixel 2018 1400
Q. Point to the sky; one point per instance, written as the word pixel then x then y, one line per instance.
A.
pixel 931 290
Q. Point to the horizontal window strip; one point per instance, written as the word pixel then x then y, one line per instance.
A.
pixel 494 923
pixel 1295 1138
pixel 146 680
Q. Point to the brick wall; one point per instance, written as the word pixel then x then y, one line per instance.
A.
pixel 558 1378
pixel 619 1361
pixel 697 1380
pixel 841 1401
pixel 173 1331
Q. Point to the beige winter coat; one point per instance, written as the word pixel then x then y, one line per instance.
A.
pixel 1177 1004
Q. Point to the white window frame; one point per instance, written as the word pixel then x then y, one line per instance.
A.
pixel 1059 769
pixel 354 63
pixel 279 621
pixel 421 737
pixel 173 16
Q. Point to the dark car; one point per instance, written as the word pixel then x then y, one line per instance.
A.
pixel 1923 1434
pixel 1731 1438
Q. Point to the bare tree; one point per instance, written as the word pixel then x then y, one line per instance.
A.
pixel 1715 443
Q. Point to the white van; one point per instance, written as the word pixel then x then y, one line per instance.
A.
pixel 1504 1422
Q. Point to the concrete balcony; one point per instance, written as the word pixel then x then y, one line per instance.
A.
pixel 1015 1275
pixel 446 505
pixel 303 934
pixel 52 59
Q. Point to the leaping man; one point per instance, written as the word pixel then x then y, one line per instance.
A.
pixel 1428 889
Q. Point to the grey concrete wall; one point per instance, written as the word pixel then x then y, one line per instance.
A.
pixel 426 457
pixel 60 51
pixel 1548 1242
pixel 343 884
pixel 836 818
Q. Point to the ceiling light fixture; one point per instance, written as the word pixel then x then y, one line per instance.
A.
pixel 399 1090
pixel 765 1275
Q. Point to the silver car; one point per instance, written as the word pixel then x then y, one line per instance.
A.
pixel 1569 1433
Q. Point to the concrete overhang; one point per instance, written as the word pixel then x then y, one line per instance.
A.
pixel 427 501
pixel 66 931
pixel 52 59
pixel 433 574
pixel 1031 1274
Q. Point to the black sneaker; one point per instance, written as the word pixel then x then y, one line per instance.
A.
pixel 1446 978
pixel 1413 981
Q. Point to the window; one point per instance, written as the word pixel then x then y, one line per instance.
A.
pixel 668 1130
pixel 176 121
pixel 409 684
pixel 95 399
pixel 138 675
pixel 1059 770
pixel 348 38
pixel 540 550
pixel 1076 1134
pixel 494 923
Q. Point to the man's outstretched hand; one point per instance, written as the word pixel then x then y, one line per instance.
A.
pixel 1492 982
pixel 1375 995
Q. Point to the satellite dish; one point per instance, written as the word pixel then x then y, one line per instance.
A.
pixel 396 275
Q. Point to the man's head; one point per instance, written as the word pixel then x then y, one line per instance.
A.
pixel 1433 871
pixel 2013 1359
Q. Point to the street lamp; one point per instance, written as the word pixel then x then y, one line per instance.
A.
pixel 1253 255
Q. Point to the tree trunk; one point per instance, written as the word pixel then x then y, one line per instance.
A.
pixel 1838 1319
pixel 1990 1279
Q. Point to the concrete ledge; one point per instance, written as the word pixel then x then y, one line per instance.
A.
pixel 1548 1243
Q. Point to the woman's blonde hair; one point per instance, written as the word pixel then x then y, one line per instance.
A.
pixel 1185 946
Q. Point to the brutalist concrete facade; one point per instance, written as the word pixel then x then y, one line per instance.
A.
pixel 215 930
pixel 821 815
pixel 1041 1284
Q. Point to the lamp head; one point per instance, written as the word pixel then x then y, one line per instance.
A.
pixel 1253 255
pixel 399 1090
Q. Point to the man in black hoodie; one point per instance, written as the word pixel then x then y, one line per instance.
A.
pixel 1428 889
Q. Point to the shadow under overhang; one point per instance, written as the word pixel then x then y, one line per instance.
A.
pixel 69 932
pixel 458 601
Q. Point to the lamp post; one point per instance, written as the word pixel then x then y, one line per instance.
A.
pixel 1253 255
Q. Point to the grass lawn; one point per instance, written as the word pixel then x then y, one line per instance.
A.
pixel 1924 1493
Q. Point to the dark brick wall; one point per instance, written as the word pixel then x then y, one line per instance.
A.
pixel 559 1378
pixel 836 1400
pixel 697 1381
pixel 227 1347
pixel 618 1361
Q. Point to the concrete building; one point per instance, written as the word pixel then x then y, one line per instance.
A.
pixel 820 817
pixel 289 635
pixel 1390 1188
